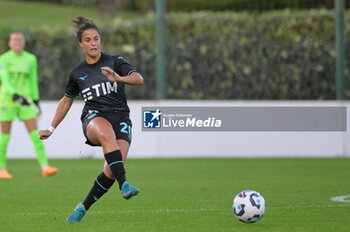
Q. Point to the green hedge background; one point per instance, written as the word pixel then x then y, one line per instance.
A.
pixel 224 55
pixel 197 5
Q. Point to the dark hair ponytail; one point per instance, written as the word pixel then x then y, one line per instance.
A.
pixel 82 24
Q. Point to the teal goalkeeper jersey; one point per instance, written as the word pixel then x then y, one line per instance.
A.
pixel 18 75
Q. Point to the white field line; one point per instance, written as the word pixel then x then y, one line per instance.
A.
pixel 341 199
pixel 149 211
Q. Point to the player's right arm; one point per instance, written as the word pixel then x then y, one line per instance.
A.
pixel 61 112
pixel 5 78
pixel 72 90
pixel 10 89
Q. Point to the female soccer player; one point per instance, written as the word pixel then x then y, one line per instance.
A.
pixel 19 90
pixel 100 79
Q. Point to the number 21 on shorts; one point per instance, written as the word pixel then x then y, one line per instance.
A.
pixel 126 129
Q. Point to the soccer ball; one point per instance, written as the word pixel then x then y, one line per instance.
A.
pixel 249 206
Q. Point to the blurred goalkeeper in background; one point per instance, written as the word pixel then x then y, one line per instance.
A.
pixel 19 98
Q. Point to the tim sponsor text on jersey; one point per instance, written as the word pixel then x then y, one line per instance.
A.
pixel 100 89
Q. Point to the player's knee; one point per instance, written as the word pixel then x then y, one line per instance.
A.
pixel 106 137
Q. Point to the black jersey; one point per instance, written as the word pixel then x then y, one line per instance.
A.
pixel 98 92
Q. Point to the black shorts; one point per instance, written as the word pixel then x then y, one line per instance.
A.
pixel 120 121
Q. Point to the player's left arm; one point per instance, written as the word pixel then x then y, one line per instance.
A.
pixel 123 72
pixel 33 80
pixel 134 78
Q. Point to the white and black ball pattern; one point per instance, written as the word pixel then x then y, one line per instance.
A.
pixel 249 206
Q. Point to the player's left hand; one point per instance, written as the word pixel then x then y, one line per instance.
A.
pixel 38 107
pixel 24 101
pixel 110 74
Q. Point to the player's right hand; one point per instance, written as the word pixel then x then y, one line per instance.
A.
pixel 24 101
pixel 44 134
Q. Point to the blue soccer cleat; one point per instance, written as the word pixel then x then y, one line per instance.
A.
pixel 78 214
pixel 129 191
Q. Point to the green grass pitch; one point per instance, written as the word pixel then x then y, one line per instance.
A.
pixel 180 195
pixel 15 15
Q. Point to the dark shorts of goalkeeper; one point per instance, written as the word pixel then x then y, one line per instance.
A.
pixel 10 113
pixel 120 122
